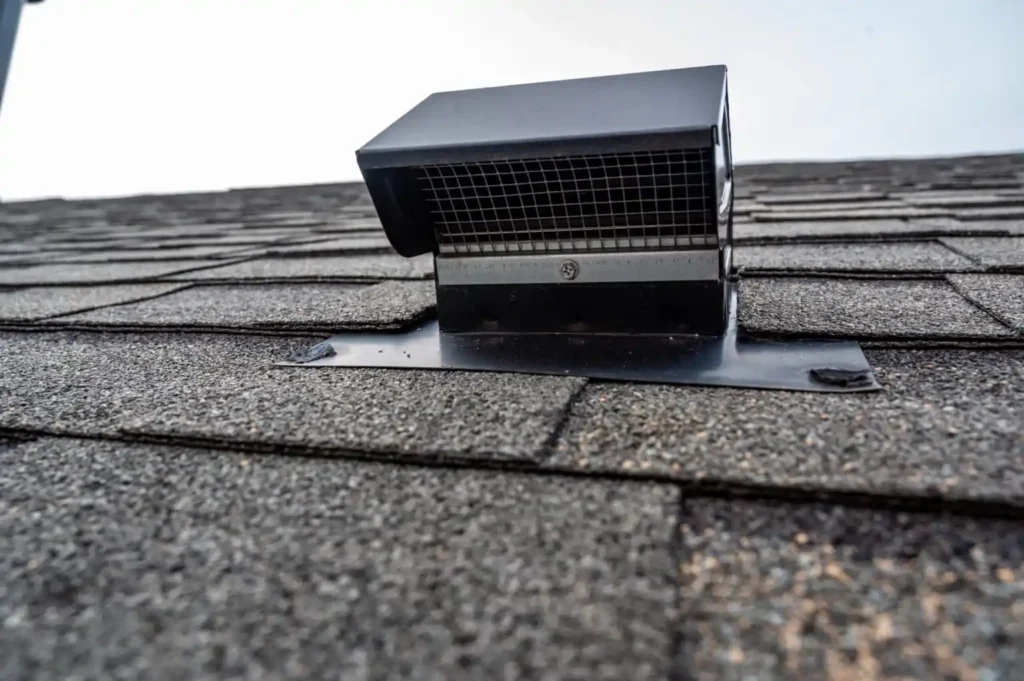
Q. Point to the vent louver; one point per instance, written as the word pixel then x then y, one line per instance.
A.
pixel 597 204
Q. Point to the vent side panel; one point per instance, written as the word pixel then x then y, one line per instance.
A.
pixel 402 210
pixel 641 200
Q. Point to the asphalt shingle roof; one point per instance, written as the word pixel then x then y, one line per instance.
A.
pixel 173 504
pixel 173 563
pixel 315 268
pixel 297 307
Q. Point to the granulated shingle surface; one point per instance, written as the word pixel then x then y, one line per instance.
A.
pixel 325 570
pixel 1000 294
pixel 876 257
pixel 323 307
pixel 143 255
pixel 783 592
pixel 947 422
pixel 862 309
pixel 991 251
pixel 853 213
pixel 99 273
pixel 40 303
pixel 867 230
pixel 226 389
pixel 314 268
pixel 384 524
pixel 1001 212
pixel 345 245
pixel 818 197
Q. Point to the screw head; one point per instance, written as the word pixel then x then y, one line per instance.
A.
pixel 569 269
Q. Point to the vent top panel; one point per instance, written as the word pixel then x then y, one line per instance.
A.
pixel 678 100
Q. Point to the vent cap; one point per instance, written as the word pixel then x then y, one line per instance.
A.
pixel 608 163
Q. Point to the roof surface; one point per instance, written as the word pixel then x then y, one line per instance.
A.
pixel 172 505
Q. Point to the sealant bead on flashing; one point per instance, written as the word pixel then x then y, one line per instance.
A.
pixel 318 351
pixel 845 378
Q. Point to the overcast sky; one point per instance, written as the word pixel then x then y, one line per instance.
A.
pixel 112 97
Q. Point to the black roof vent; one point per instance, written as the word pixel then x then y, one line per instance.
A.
pixel 578 228
pixel 598 204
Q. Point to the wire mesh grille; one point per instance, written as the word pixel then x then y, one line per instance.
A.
pixel 636 200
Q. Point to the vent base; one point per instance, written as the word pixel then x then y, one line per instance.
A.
pixel 665 307
pixel 728 360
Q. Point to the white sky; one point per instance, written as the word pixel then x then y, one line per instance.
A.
pixel 111 97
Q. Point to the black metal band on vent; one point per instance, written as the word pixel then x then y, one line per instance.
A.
pixel 650 200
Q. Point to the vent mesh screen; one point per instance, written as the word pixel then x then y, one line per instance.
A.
pixel 637 200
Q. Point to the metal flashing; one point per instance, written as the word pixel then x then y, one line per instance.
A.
pixel 728 360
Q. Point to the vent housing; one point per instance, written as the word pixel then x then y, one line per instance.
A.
pixel 601 204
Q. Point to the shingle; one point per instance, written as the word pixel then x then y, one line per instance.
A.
pixel 152 254
pixel 94 273
pixel 1000 294
pixel 960 200
pixel 991 251
pixel 213 239
pixel 248 568
pixel 18 248
pixel 205 234
pixel 290 220
pixel 15 220
pixel 863 257
pixel 740 206
pixel 333 246
pixel 120 243
pixel 385 266
pixel 815 197
pixel 862 229
pixel 997 227
pixel 29 257
pixel 772 592
pixel 832 206
pixel 141 232
pixel 38 303
pixel 325 307
pixel 976 183
pixel 225 388
pixel 1000 213
pixel 858 308
pixel 355 223
pixel 430 414
pixel 947 423
pixel 898 213
pixel 951 195
pixel 276 233
pixel 90 383
pixel 80 475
